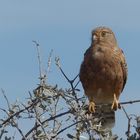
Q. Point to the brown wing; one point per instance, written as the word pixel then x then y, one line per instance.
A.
pixel 124 68
pixel 123 65
pixel 88 51
pixel 84 68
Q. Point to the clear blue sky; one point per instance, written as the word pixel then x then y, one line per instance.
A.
pixel 64 26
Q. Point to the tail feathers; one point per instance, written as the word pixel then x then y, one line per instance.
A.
pixel 106 117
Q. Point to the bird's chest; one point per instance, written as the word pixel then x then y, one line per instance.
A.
pixel 103 66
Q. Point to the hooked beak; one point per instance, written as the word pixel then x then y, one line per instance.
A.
pixel 95 37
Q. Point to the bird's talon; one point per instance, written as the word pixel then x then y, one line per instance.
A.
pixel 119 106
pixel 115 104
pixel 91 107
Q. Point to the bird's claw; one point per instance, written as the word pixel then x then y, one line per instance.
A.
pixel 115 104
pixel 91 107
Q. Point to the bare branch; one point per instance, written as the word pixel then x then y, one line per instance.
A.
pixel 129 120
pixel 129 102
pixel 17 113
pixel 51 118
pixel 49 62
pixel 19 130
pixel 62 130
pixel 42 75
pixel 3 92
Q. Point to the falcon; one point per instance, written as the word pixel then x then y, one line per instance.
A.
pixel 103 72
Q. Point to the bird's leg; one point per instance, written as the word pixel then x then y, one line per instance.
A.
pixel 91 106
pixel 115 104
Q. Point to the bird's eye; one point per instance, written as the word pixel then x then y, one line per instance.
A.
pixel 103 34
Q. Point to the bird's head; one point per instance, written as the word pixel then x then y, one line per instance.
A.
pixel 103 35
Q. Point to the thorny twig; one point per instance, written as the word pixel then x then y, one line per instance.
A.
pixel 57 60
pixel 129 121
pixel 54 114
pixel 129 102
pixel 17 113
pixel 62 130
pixel 51 118
pixel 38 121
pixel 19 130
pixel 39 58
pixel 13 123
pixel 49 61
pixel 3 92
pixel 42 75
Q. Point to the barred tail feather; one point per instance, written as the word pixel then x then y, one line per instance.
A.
pixel 106 117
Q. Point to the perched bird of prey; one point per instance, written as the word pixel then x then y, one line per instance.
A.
pixel 103 72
